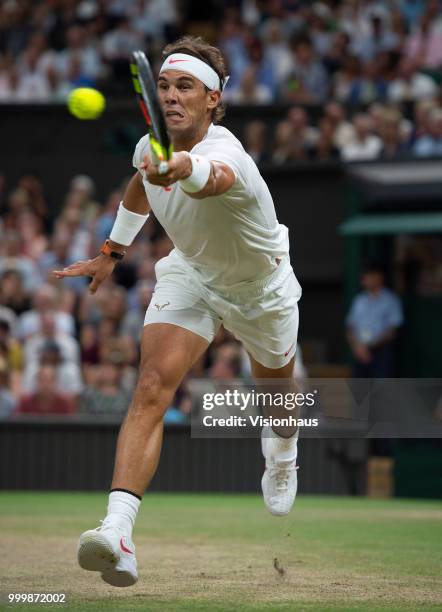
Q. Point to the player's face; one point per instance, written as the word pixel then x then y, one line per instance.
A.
pixel 185 101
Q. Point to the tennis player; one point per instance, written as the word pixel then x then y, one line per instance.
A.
pixel 230 266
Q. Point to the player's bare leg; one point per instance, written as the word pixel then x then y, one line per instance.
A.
pixel 279 447
pixel 167 353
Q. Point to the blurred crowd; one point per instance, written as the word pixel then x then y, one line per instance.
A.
pixel 63 350
pixel 381 131
pixel 370 68
pixel 296 51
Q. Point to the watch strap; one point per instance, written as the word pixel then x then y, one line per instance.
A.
pixel 107 250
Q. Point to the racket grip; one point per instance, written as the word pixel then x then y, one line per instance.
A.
pixel 163 167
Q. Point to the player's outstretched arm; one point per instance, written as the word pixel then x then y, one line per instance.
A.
pixel 101 267
pixel 221 179
pixel 198 177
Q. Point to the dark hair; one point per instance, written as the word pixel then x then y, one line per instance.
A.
pixel 199 48
pixel 373 266
pixel 4 326
pixel 298 40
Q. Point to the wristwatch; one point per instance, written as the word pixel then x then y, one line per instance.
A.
pixel 107 250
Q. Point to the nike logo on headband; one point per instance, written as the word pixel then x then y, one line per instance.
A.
pixel 174 61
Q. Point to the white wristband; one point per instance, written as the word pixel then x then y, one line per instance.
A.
pixel 126 226
pixel 200 174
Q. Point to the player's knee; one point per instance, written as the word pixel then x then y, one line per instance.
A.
pixel 151 391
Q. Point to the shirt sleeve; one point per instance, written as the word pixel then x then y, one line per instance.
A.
pixel 227 152
pixel 350 320
pixel 141 150
pixel 395 313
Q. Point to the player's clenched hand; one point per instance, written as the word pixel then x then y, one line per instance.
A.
pixel 99 269
pixel 179 167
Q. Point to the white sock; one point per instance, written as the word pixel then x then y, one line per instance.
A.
pixel 122 510
pixel 281 449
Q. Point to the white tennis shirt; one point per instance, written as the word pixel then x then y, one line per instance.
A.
pixel 231 239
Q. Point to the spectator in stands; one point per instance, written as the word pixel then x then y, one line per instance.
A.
pixel 411 85
pixel 308 82
pixel 12 292
pixel 421 119
pixel 350 85
pixel 156 19
pixel 373 321
pixel 412 10
pixel 231 41
pixel 8 79
pixel 32 85
pixel 44 300
pixel 7 400
pixel 283 149
pixel 68 374
pixel 424 45
pixel 430 144
pixel 32 235
pixel 47 398
pixel 118 44
pixel 32 184
pixel 18 202
pixel 377 113
pixel 379 74
pixel 375 39
pixel 115 9
pixel 365 144
pixel 265 76
pixel 16 26
pixel 141 294
pixel 106 217
pixel 393 144
pixel 57 256
pixel 106 396
pixel 343 129
pixel 337 53
pixel 79 64
pixel 12 350
pixel 253 34
pixel 227 362
pixel 255 136
pixel 122 351
pixel 144 285
pixel 67 344
pixel 305 135
pixel 325 148
pixel 320 28
pixel 89 347
pixel 249 91
pixel 82 187
pixel 12 257
pixel 71 220
pixel 35 66
pixel 276 50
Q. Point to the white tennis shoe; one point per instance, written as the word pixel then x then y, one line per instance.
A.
pixel 109 550
pixel 280 480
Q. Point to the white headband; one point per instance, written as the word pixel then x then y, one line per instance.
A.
pixel 195 67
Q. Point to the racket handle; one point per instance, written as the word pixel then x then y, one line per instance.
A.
pixel 163 167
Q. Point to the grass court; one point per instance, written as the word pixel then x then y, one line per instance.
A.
pixel 225 552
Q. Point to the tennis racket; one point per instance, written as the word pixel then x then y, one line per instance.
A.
pixel 146 89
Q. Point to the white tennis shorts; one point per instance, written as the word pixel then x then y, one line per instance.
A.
pixel 263 315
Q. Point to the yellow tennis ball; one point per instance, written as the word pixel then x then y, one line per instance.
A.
pixel 86 103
